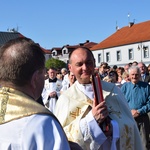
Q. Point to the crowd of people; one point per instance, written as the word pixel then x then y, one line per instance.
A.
pixel 133 79
pixel 58 110
pixel 117 76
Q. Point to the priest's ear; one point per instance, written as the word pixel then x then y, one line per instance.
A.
pixel 35 79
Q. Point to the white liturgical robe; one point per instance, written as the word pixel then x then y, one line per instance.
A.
pixel 35 132
pixel 73 109
pixel 27 125
pixel 49 87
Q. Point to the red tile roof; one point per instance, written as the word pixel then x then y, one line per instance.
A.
pixel 46 51
pixel 90 44
pixel 127 35
pixel 87 44
pixel 56 48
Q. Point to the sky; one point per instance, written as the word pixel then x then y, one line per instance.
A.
pixel 56 23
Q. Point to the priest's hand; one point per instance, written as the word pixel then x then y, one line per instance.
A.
pixel 53 94
pixel 99 111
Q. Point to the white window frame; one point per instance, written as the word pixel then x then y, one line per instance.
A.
pixel 107 56
pixel 130 54
pixel 146 52
pixel 118 53
pixel 99 58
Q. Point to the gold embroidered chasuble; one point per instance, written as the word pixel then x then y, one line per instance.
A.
pixel 73 105
pixel 15 104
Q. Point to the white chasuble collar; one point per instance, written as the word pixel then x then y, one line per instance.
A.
pixel 87 89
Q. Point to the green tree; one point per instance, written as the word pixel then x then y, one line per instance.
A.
pixel 56 63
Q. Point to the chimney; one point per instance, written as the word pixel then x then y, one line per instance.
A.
pixel 131 24
pixel 117 28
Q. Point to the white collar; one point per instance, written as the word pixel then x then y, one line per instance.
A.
pixel 87 89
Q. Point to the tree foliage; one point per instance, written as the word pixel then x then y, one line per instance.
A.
pixel 56 63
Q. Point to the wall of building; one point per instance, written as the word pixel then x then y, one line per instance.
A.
pixel 138 54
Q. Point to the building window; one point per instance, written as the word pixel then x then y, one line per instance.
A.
pixel 146 52
pixel 54 54
pixel 99 58
pixel 64 51
pixel 130 54
pixel 107 57
pixel 118 55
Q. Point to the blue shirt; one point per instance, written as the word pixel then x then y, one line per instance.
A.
pixel 137 96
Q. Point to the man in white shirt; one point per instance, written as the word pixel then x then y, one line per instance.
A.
pixel 64 72
pixel 71 79
pixel 51 90
pixel 25 124
pixel 82 119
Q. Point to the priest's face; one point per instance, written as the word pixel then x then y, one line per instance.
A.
pixel 82 65
pixel 52 73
